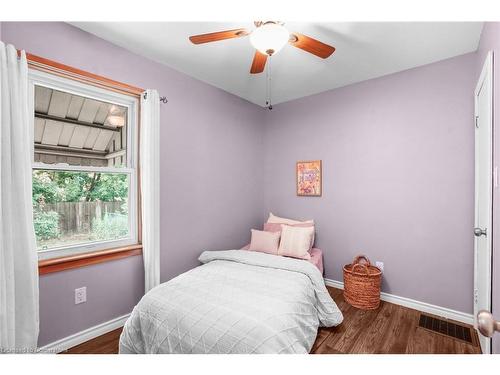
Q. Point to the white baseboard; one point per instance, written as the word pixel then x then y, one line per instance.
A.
pixel 86 335
pixel 417 305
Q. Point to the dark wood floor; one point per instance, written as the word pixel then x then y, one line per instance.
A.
pixel 390 329
pixel 105 344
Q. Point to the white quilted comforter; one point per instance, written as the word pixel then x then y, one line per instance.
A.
pixel 236 302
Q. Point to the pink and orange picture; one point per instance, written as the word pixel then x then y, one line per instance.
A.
pixel 309 178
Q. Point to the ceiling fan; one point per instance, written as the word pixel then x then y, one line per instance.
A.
pixel 268 38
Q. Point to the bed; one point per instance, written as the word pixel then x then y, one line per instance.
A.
pixel 316 257
pixel 237 301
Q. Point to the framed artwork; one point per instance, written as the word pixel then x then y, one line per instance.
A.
pixel 309 178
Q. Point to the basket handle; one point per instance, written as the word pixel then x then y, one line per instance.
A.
pixel 359 265
pixel 357 259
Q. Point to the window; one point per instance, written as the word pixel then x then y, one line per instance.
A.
pixel 84 166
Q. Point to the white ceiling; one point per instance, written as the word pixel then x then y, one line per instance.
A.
pixel 363 51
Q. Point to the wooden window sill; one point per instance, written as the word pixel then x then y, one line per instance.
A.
pixel 82 260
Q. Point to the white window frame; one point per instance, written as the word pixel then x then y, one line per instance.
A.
pixel 56 82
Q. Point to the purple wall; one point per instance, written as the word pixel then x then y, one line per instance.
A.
pixel 211 184
pixel 490 41
pixel 398 165
pixel 113 289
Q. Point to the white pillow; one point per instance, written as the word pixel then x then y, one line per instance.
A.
pixel 281 220
pixel 296 241
pixel 265 242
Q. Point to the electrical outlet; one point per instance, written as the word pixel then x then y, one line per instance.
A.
pixel 80 295
pixel 380 266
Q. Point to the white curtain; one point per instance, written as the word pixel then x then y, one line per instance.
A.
pixel 18 257
pixel 150 186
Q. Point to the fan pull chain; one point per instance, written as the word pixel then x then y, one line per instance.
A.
pixel 268 85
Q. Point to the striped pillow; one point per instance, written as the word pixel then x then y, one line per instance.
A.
pixel 296 241
pixel 276 227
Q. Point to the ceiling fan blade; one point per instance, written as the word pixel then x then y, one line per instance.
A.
pixel 311 45
pixel 258 63
pixel 220 35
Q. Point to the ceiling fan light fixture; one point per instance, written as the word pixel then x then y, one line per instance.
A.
pixel 269 38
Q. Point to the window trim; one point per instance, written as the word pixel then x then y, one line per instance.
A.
pixel 99 88
pixel 87 259
pixel 45 65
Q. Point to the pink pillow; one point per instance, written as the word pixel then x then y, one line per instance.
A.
pixel 282 220
pixel 276 227
pixel 265 242
pixel 296 241
pixel 272 227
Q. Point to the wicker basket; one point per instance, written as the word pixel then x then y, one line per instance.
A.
pixel 362 283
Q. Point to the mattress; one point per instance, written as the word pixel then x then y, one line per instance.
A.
pixel 235 302
pixel 316 257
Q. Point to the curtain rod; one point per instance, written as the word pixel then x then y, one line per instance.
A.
pixel 163 99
